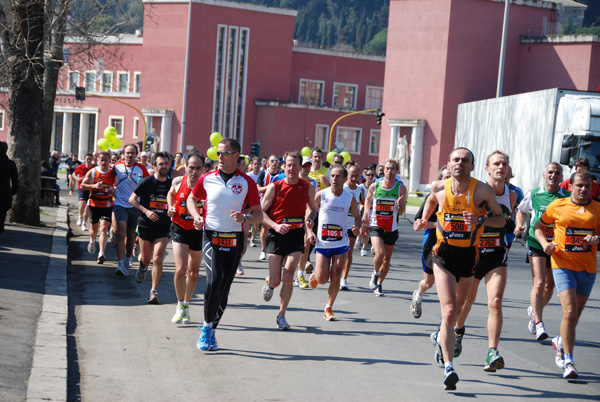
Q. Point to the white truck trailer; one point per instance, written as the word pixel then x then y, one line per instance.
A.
pixel 533 128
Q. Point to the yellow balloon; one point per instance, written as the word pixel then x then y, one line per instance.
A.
pixel 346 156
pixel 212 153
pixel 215 138
pixel 306 151
pixel 115 143
pixel 110 132
pixel 103 144
pixel 330 156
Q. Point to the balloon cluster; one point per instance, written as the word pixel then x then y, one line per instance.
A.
pixel 110 140
pixel 211 152
pixel 344 154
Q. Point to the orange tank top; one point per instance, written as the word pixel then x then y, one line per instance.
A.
pixel 101 198
pixel 182 216
pixel 451 227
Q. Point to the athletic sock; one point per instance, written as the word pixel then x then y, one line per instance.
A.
pixel 208 324
pixel 459 331
pixel 568 358
pixel 300 273
pixel 448 364
pixel 418 297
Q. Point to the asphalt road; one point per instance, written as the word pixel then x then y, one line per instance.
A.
pixel 120 348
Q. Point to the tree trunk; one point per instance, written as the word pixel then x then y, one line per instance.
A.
pixel 56 22
pixel 24 110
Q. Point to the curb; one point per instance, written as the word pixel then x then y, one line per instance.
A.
pixel 48 378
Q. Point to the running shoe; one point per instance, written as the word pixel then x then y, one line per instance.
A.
pixel 569 371
pixel 240 270
pixel 378 290
pixel 91 247
pixel 450 378
pixel 493 361
pixel 458 343
pixel 313 281
pixel 153 297
pixel 540 332
pixel 252 243
pixel 84 227
pixel 120 271
pixel 141 273
pixel 560 352
pixel 301 282
pixel 363 252
pixel 309 268
pixel 531 324
pixel 204 339
pixel 415 306
pixel 282 324
pixel 344 284
pixel 328 314
pixel 114 239
pixel 439 357
pixel 101 258
pixel 373 281
pixel 79 221
pixel 267 292
pixel 136 251
pixel 263 256
pixel 178 314
pixel 186 314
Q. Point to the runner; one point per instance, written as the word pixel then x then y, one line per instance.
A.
pixel 286 201
pixel 429 240
pixel 186 240
pixel 99 182
pixel 226 192
pixel 318 172
pixel 583 165
pixel 254 173
pixel 388 198
pixel 535 203
pixel 493 254
pixel 127 175
pixel 332 247
pixel 150 199
pixel 460 220
pixel 573 253
pixel 364 237
pixel 270 175
pixel 351 186
pixel 72 162
pixel 83 195
pixel 304 264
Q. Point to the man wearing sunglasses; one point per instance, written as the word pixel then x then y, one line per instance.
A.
pixel 271 175
pixel 226 192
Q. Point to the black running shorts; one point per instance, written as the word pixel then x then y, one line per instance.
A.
pixel 490 259
pixel 460 261
pixel 97 213
pixel 193 237
pixel 286 244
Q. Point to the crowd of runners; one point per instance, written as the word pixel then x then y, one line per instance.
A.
pixel 296 204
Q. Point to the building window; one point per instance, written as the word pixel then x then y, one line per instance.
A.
pixel 123 83
pixel 229 90
pixel 2 120
pixel 90 81
pixel 107 82
pixel 344 95
pixel 137 77
pixel 374 142
pixel 136 126
pixel 311 92
pixel 374 98
pixel 73 80
pixel 241 91
pixel 219 73
pixel 322 137
pixel 350 136
pixel 117 123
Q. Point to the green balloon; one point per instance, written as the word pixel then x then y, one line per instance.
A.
pixel 212 153
pixel 306 152
pixel 346 156
pixel 115 143
pixel 215 138
pixel 330 156
pixel 103 144
pixel 110 132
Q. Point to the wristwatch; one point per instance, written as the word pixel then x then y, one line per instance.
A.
pixel 481 219
pixel 245 217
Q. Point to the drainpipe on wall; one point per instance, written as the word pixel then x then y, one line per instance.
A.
pixel 185 83
pixel 503 49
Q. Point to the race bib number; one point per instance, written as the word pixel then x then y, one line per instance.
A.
pixel 489 242
pixel 184 213
pixel 159 204
pixel 224 241
pixel 384 207
pixel 549 233
pixel 454 227
pixel 295 223
pixel 332 233
pixel 574 240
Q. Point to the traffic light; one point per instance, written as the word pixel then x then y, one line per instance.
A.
pixel 255 148
pixel 149 142
pixel 380 115
pixel 80 93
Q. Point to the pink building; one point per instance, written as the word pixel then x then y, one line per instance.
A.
pixel 441 53
pixel 207 65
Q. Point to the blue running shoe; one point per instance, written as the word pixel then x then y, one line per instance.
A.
pixel 439 357
pixel 204 340
pixel 450 379
pixel 212 341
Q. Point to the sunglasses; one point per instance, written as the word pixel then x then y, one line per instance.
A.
pixel 370 174
pixel 225 153
pixel 274 160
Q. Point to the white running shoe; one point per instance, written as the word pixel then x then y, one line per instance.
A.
pixel 252 243
pixel 373 281
pixel 540 332
pixel 240 270
pixel 282 324
pixel 569 371
pixel 79 221
pixel 363 252
pixel 531 324
pixel 263 256
pixel 344 284
pixel 84 227
pixel 91 247
pixel 560 352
